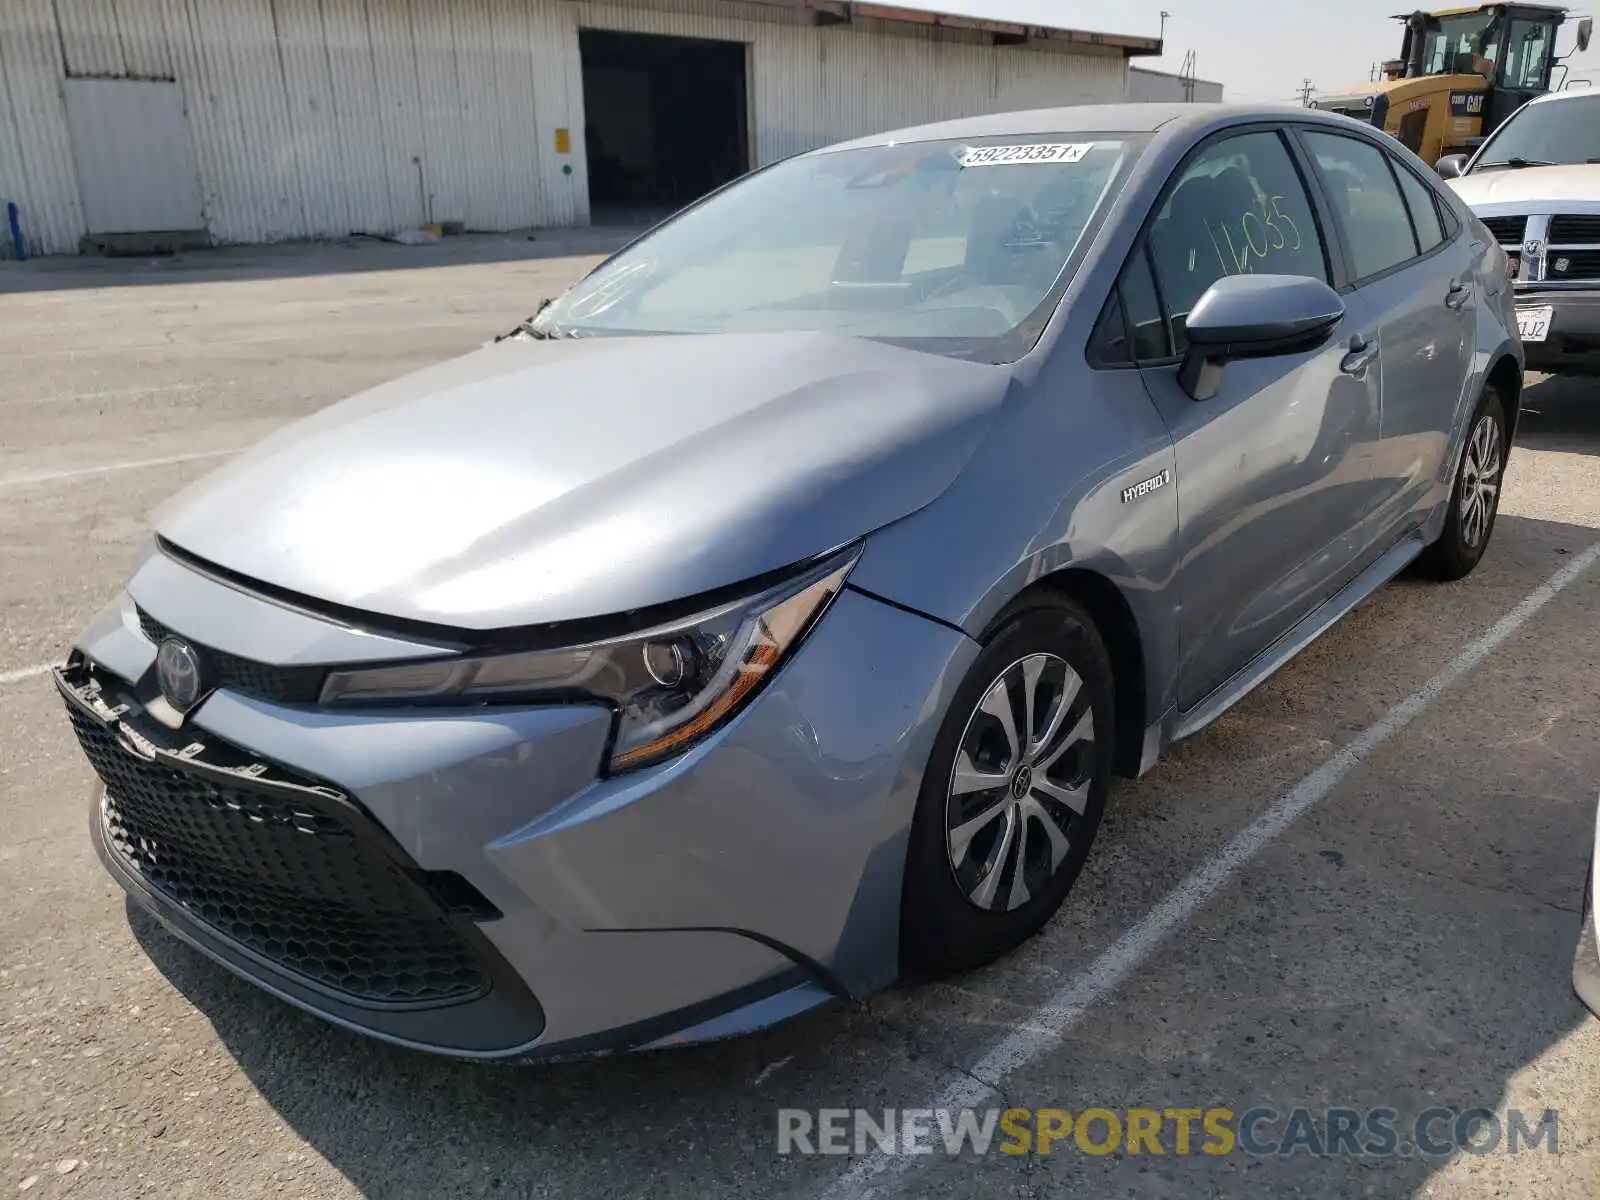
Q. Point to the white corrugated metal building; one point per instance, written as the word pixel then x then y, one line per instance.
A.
pixel 1162 87
pixel 265 120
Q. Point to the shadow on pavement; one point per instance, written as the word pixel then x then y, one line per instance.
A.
pixel 399 1123
pixel 300 259
pixel 1561 413
pixel 1409 945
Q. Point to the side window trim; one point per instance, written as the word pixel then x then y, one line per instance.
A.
pixel 1144 252
pixel 1411 217
pixel 1335 239
pixel 1099 359
pixel 1127 321
pixel 1447 218
pixel 1449 227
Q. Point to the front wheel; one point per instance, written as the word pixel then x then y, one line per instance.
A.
pixel 1013 793
pixel 1475 499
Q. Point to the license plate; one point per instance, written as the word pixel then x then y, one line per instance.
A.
pixel 1534 323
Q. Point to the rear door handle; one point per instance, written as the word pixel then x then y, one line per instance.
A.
pixel 1362 351
pixel 1457 295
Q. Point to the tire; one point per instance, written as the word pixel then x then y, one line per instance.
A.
pixel 1474 497
pixel 962 903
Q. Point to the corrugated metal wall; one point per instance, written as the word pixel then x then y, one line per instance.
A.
pixel 1162 87
pixel 325 117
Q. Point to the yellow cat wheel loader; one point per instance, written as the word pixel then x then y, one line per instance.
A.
pixel 1461 72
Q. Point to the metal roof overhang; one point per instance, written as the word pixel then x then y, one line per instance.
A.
pixel 843 12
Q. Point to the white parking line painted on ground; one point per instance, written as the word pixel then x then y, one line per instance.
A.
pixel 24 673
pixel 1045 1027
pixel 156 389
pixel 24 478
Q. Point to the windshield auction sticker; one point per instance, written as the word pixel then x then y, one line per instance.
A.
pixel 1039 152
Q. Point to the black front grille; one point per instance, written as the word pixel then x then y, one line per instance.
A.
pixel 287 872
pixel 1507 230
pixel 1571 228
pixel 1572 264
pixel 286 685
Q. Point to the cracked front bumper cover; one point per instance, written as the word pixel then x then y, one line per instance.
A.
pixel 753 877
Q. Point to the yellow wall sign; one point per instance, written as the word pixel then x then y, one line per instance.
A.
pixel 563 141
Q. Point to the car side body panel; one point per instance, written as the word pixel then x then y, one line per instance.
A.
pixel 1108 440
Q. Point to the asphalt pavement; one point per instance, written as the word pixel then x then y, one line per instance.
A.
pixel 1359 890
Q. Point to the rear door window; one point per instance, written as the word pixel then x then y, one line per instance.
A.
pixel 1367 198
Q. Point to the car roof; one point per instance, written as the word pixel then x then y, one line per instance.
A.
pixel 1086 118
pixel 1574 94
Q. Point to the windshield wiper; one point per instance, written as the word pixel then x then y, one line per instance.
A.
pixel 1516 162
pixel 529 328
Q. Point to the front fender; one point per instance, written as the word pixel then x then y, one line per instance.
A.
pixel 1045 493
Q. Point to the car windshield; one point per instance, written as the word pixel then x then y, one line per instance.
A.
pixel 959 248
pixel 1554 131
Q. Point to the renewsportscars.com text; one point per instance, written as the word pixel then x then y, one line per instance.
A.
pixel 1261 1131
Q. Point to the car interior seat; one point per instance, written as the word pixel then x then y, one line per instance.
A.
pixel 1184 247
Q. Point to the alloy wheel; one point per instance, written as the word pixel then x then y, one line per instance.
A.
pixel 1021 781
pixel 1480 481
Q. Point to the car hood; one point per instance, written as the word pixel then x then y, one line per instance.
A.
pixel 536 481
pixel 1529 185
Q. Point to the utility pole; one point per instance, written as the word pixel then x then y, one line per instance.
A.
pixel 1306 88
pixel 1186 77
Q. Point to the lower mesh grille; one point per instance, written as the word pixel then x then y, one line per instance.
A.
pixel 287 877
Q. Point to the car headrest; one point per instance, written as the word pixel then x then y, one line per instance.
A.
pixel 992 256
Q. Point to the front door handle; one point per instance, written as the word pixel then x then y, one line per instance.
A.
pixel 1362 351
pixel 1457 295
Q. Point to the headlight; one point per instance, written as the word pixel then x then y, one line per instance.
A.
pixel 671 685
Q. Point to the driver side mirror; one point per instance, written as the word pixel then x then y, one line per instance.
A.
pixel 1451 166
pixel 1254 316
pixel 1585 28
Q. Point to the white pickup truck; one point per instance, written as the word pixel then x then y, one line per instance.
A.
pixel 1535 182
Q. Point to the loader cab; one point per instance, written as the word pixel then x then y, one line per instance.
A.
pixel 1460 74
pixel 1510 47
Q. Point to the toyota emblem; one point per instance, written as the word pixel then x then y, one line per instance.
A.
pixel 178 672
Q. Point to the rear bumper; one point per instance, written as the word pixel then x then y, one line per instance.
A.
pixel 1573 344
pixel 746 881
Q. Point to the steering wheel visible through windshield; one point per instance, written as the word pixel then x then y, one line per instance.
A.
pixel 960 248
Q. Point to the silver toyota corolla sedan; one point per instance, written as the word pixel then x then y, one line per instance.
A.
pixel 765 620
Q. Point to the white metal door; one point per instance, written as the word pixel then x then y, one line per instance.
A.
pixel 135 160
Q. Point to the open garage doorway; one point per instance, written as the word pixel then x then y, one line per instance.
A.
pixel 666 120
